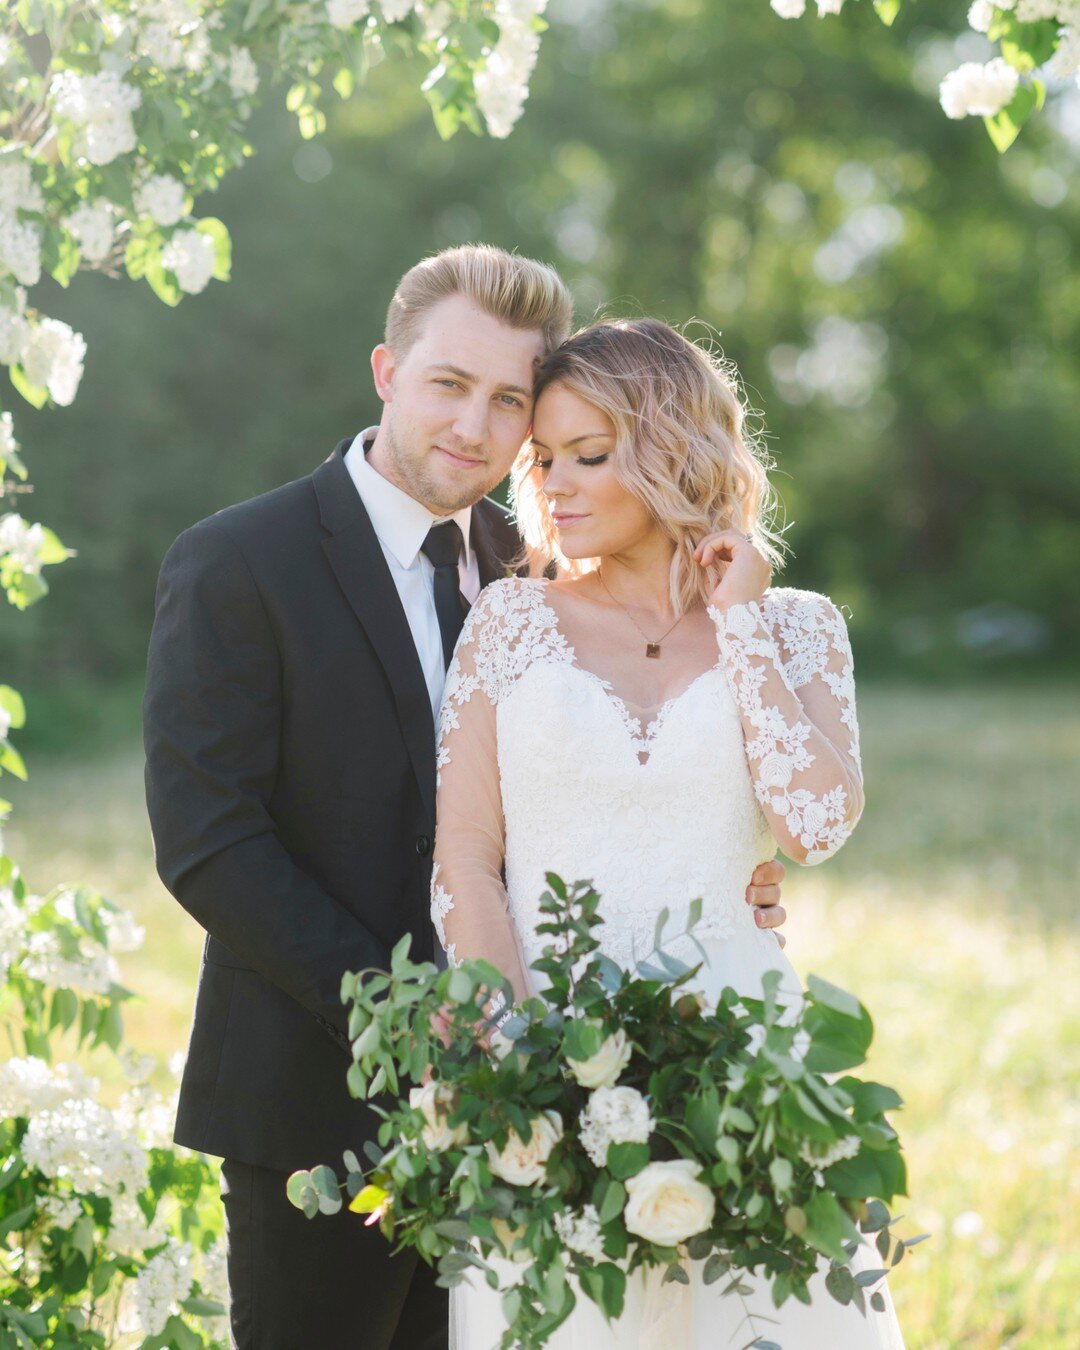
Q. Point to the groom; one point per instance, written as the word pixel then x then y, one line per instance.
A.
pixel 296 664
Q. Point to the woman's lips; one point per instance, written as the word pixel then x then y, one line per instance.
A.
pixel 562 521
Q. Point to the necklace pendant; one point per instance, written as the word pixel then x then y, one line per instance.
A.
pixel 652 649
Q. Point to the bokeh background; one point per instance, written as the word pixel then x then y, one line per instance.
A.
pixel 904 307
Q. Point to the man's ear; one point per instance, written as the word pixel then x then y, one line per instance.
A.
pixel 383 366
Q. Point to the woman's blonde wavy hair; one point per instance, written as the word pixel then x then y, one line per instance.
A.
pixel 682 446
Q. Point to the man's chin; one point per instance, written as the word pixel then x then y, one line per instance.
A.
pixel 465 490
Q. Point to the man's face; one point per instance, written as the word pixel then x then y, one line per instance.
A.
pixel 458 405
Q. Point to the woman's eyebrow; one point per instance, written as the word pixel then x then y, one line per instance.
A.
pixel 589 436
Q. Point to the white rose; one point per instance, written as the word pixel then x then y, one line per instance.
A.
pixel 667 1204
pixel 603 1068
pixel 524 1164
pixel 435 1101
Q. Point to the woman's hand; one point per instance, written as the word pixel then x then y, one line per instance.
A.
pixel 745 573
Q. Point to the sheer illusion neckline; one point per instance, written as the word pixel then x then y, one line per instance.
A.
pixel 641 734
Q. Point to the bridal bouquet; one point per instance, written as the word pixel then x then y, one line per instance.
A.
pixel 614 1122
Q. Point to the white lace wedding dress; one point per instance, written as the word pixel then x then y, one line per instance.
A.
pixel 544 767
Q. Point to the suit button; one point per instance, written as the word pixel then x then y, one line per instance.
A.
pixel 423 845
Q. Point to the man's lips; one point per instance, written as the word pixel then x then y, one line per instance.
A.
pixel 465 461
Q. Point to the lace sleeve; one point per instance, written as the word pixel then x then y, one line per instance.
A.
pixel 469 906
pixel 789 664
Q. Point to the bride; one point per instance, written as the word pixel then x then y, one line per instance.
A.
pixel 657 720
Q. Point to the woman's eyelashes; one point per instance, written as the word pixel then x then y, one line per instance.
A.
pixel 545 464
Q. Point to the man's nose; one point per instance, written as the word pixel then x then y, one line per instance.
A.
pixel 470 424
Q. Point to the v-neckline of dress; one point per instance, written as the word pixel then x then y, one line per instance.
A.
pixel 641 739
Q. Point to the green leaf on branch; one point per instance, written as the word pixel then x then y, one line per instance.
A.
pixel 626 1160
pixel 33 393
pixel 218 231
pixel 1004 127
pixel 12 762
pixel 12 703
pixel 887 10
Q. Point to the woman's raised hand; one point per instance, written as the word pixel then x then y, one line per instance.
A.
pixel 744 571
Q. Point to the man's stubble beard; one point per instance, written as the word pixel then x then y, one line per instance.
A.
pixel 412 477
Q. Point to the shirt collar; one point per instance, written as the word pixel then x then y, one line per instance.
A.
pixel 400 521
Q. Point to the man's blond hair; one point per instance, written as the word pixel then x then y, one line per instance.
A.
pixel 518 291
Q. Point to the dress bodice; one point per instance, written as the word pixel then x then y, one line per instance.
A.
pixel 543 767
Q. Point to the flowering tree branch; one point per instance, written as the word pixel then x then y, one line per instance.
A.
pixel 1034 38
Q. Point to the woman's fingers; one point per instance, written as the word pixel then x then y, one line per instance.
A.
pixel 724 542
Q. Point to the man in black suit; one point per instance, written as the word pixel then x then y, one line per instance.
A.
pixel 296 663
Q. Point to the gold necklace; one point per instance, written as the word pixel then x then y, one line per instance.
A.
pixel 652 647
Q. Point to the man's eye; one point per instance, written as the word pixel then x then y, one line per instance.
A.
pixel 448 384
pixel 510 401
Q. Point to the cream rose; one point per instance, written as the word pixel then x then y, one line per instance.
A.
pixel 603 1068
pixel 667 1204
pixel 524 1164
pixel 435 1101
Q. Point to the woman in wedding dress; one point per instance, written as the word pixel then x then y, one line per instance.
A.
pixel 657 720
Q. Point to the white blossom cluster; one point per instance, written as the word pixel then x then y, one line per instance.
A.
pixel 93 225
pixel 820 1156
pixel 344 13
pixel 29 1086
pixel 614 1115
pixel 189 255
pixel 581 1232
pixel 100 105
pixel 502 85
pixel 50 352
pixel 129 1233
pixel 22 543
pixel 175 34
pixel 978 89
pixel 795 9
pixel 243 73
pixel 93 971
pixel 53 359
pixel 161 197
pixel 80 1141
pixel 20 240
pixel 12 925
pixel 162 1283
pixel 9 446
pixel 61 1211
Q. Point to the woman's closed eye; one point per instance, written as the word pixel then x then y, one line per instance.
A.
pixel 545 464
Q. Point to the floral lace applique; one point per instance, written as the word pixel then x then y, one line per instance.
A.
pixel 793 637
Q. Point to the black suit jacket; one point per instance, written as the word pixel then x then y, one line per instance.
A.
pixel 290 781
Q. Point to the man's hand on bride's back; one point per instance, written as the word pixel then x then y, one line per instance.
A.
pixel 764 894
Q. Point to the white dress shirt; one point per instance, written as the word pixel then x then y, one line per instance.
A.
pixel 401 524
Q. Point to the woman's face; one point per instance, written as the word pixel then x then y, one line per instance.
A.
pixel 574 443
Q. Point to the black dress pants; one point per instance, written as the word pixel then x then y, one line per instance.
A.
pixel 327 1283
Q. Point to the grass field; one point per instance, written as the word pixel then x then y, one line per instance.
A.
pixel 950 913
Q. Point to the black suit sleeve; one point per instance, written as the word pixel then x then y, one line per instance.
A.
pixel 211 717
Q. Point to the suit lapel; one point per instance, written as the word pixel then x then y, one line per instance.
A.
pixel 353 550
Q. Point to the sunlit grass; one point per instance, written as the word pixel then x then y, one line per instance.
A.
pixel 949 913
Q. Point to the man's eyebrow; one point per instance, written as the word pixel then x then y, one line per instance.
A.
pixel 471 379
pixel 589 436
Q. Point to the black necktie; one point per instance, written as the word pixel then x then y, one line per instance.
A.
pixel 443 547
